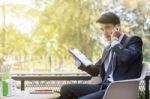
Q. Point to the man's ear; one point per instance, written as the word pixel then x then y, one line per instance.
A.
pixel 118 27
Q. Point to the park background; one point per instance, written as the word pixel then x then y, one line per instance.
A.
pixel 35 34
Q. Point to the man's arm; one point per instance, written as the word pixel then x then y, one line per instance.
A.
pixel 92 69
pixel 131 52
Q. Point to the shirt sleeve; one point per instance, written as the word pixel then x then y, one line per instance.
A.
pixel 114 42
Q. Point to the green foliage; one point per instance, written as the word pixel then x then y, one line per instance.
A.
pixel 61 24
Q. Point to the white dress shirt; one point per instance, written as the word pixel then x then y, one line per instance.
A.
pixel 107 61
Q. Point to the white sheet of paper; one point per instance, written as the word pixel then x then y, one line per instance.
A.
pixel 81 57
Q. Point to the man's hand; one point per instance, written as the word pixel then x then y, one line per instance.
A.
pixel 115 33
pixel 77 63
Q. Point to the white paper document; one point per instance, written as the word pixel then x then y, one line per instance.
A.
pixel 80 56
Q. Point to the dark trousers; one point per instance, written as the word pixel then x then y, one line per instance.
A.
pixel 83 91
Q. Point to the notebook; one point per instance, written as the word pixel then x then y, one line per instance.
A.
pixel 42 91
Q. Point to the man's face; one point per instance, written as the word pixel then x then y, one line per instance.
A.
pixel 107 29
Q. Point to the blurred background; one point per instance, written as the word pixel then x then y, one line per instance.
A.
pixel 35 34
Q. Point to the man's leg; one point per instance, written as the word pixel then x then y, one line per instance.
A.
pixel 71 91
pixel 96 95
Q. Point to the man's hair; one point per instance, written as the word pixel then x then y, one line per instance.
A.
pixel 109 17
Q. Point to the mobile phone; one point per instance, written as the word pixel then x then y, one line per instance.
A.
pixel 117 28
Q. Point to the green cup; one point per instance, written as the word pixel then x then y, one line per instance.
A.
pixel 5 76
